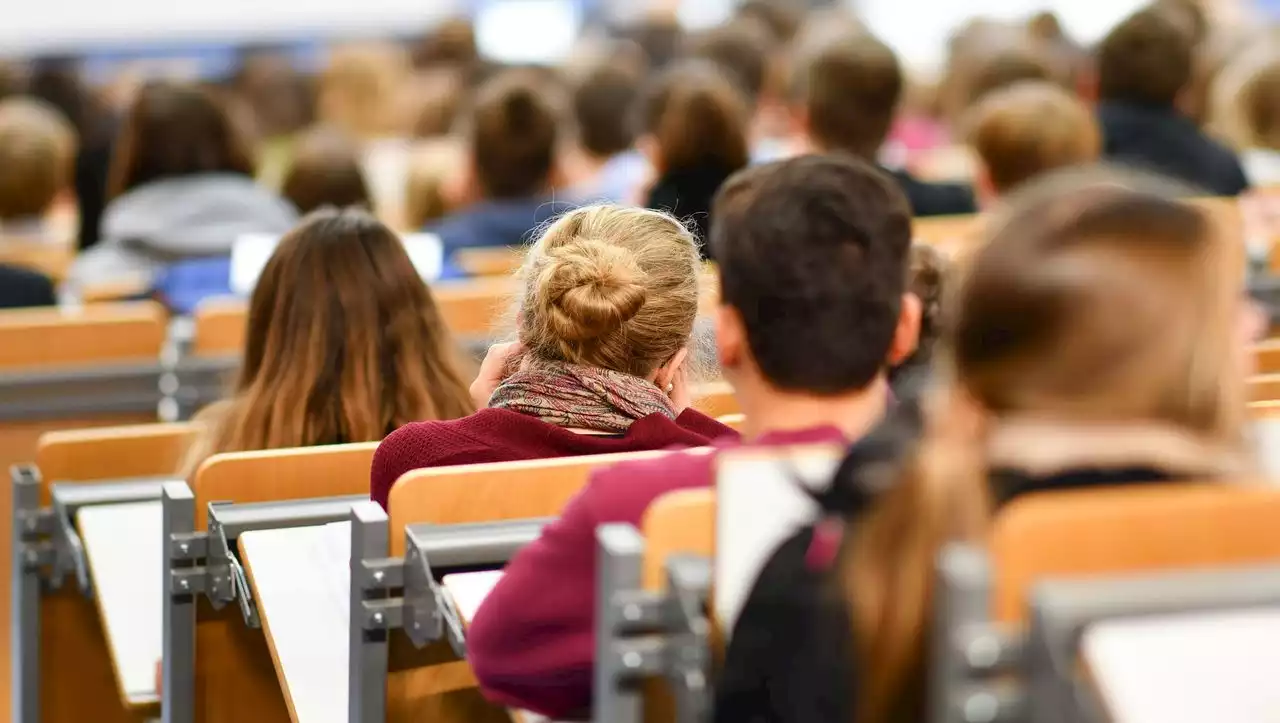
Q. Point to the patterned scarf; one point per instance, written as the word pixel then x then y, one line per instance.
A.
pixel 580 397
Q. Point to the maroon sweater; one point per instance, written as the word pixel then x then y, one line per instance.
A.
pixel 532 643
pixel 500 435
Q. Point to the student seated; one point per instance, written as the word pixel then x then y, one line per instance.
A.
pixel 608 169
pixel 694 123
pixel 326 172
pixel 181 187
pixel 1144 64
pixel 844 95
pixel 37 146
pixel 513 137
pixel 1260 101
pixel 812 254
pixel 1050 389
pixel 605 320
pixel 345 344
pixel 1028 129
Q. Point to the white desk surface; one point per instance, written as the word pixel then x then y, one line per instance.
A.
pixel 124 549
pixel 1192 668
pixel 469 589
pixel 300 581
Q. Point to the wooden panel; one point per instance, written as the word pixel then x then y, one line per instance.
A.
pixel 733 421
pixel 1263 388
pixel 475 308
pixel 52 260
pixel 235 678
pixel 503 261
pixel 715 399
pixel 1266 356
pixel 434 686
pixel 142 450
pixel 41 338
pixel 1264 410
pixel 220 327
pixel 1098 532
pixel 677 522
pixel 951 234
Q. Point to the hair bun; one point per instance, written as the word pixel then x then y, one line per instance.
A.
pixel 590 289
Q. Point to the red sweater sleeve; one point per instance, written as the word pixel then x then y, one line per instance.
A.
pixel 699 423
pixel 532 641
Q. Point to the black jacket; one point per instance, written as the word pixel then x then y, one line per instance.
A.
pixel 1162 140
pixel 687 194
pixel 935 199
pixel 20 288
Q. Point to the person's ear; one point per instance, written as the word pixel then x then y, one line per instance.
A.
pixel 983 188
pixel 731 337
pixel 906 337
pixel 667 373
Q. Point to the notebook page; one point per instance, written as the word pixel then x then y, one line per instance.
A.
pixel 300 579
pixel 1187 668
pixel 469 589
pixel 759 505
pixel 125 548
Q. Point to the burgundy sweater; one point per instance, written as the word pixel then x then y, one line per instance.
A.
pixel 532 643
pixel 501 435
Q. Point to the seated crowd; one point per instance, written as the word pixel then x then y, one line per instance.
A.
pixel 772 147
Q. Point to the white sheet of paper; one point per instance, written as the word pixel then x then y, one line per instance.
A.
pixel 1187 668
pixel 124 547
pixel 469 589
pixel 759 505
pixel 300 577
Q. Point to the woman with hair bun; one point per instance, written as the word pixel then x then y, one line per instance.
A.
pixel 599 366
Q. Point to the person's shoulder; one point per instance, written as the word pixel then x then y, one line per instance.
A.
pixel 21 287
pixel 934 198
pixel 621 492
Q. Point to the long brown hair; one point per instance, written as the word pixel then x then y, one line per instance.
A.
pixel 345 344
pixel 1100 301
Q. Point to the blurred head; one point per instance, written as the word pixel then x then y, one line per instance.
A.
pixel 345 342
pixel 741 49
pixel 781 18
pixel 326 172
pixel 845 93
pixel 174 130
pixel 602 104
pixel 611 287
pixel 693 117
pixel 451 44
pixel 659 36
pixel 1147 60
pixel 1260 101
pixel 360 90
pixel 514 134
pixel 821 239
pixel 281 98
pixel 1004 69
pixel 37 146
pixel 1102 306
pixel 1030 128
pixel 435 100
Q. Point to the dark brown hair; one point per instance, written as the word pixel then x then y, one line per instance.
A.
pixel 782 18
pixel 602 103
pixel 1147 59
pixel 741 49
pixel 345 344
pixel 1025 130
pixel 698 118
pixel 849 87
pixel 515 128
pixel 37 148
pixel 813 256
pixel 326 172
pixel 451 43
pixel 1260 102
pixel 174 130
pixel 1005 68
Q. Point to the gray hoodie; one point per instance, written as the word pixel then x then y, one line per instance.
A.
pixel 175 219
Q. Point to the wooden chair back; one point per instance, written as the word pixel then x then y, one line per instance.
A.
pixel 474 308
pixel 431 684
pixel 73 649
pixel 733 421
pixel 1086 533
pixel 681 522
pixel 502 261
pixel 1266 355
pixel 950 234
pixel 51 259
pixel 45 339
pixel 715 399
pixel 221 326
pixel 235 677
pixel 1263 388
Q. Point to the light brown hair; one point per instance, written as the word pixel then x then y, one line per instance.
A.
pixel 610 287
pixel 514 134
pixel 360 90
pixel 37 145
pixel 742 49
pixel 1260 101
pixel 1099 299
pixel 345 343
pixel 603 101
pixel 848 87
pixel 175 130
pixel 1029 128
pixel 698 118
pixel 326 172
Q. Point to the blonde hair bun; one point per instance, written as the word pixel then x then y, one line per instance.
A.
pixel 590 289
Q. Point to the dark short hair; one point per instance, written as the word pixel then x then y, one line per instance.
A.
pixel 602 104
pixel 849 86
pixel 514 133
pixel 813 255
pixel 698 117
pixel 1146 59
pixel 326 172
pixel 742 49
pixel 174 130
